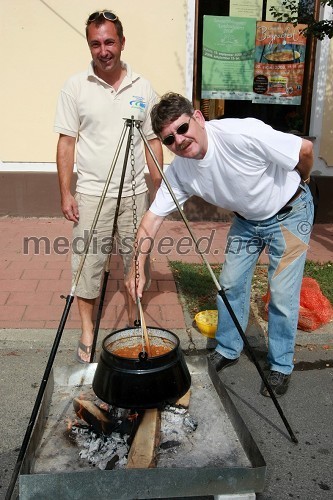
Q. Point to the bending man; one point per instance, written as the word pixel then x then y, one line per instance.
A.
pixel 261 174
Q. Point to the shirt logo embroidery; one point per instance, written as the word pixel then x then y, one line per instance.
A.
pixel 138 103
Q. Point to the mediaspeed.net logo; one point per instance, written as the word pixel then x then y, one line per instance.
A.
pixel 138 103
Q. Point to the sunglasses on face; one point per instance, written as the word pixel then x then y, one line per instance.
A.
pixel 110 16
pixel 181 130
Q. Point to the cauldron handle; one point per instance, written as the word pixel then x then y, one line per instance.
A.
pixel 143 356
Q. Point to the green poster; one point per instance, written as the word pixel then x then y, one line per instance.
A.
pixel 228 57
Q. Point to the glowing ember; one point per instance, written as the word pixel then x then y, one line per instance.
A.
pixel 110 451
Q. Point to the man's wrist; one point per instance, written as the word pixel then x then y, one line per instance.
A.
pixel 307 180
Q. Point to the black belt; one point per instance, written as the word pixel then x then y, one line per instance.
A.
pixel 287 207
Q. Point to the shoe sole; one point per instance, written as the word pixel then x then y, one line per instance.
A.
pixel 232 362
pixel 264 392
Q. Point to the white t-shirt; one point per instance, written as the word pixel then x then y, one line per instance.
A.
pixel 248 168
pixel 93 112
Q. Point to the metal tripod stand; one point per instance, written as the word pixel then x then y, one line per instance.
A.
pixel 128 126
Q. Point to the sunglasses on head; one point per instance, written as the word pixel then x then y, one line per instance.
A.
pixel 182 129
pixel 110 16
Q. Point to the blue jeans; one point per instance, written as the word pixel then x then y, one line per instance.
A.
pixel 286 237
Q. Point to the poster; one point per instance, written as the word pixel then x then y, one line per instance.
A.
pixel 227 57
pixel 246 8
pixel 279 63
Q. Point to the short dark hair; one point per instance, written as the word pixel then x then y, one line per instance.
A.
pixel 170 107
pixel 101 20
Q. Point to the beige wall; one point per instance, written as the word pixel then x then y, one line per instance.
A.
pixel 326 143
pixel 43 43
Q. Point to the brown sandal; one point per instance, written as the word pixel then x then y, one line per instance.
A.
pixel 86 349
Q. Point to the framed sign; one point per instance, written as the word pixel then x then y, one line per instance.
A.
pixel 279 63
pixel 246 8
pixel 227 57
pixel 271 109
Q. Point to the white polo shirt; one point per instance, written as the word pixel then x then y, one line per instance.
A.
pixel 92 111
pixel 248 168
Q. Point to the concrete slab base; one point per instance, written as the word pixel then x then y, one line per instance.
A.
pixel 236 496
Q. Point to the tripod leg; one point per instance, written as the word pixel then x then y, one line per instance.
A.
pixel 69 301
pixel 222 294
pixel 114 230
pixel 98 211
pixel 39 399
pixel 99 315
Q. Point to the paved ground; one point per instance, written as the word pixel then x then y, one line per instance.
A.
pixel 30 286
pixel 35 271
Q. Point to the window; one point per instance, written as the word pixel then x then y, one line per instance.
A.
pixel 282 117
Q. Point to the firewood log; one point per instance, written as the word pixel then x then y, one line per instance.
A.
pixel 99 420
pixel 146 441
pixel 184 401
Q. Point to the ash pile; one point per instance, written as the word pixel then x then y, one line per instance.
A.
pixel 109 438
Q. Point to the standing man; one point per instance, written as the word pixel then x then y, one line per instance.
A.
pixel 90 117
pixel 261 174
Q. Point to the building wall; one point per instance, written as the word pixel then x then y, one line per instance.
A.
pixel 321 123
pixel 326 143
pixel 43 43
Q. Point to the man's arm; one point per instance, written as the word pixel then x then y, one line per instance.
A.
pixel 305 164
pixel 65 166
pixel 155 176
pixel 135 280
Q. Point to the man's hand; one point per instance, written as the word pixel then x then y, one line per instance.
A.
pixel 135 282
pixel 65 165
pixel 136 279
pixel 69 208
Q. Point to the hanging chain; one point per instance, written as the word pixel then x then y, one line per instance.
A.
pixel 135 216
pixel 134 205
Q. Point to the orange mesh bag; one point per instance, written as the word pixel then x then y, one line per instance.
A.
pixel 315 309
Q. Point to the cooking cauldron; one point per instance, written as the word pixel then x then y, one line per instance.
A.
pixel 141 382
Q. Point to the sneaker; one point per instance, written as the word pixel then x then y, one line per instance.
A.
pixel 279 383
pixel 220 362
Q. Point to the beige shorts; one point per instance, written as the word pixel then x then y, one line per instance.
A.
pixel 89 284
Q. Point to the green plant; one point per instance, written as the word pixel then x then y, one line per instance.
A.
pixel 323 274
pixel 294 11
pixel 196 286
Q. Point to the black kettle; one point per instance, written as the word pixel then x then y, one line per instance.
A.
pixel 142 382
